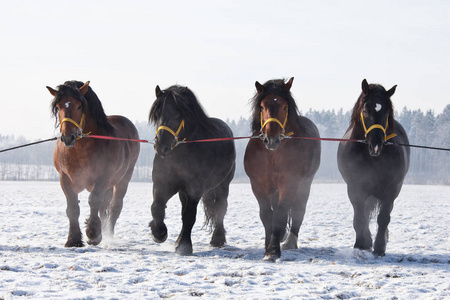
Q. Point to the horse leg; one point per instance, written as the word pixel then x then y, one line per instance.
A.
pixel 94 224
pixel 298 210
pixel 161 194
pixel 217 213
pixel 183 245
pixel 279 221
pixel 384 217
pixel 103 210
pixel 74 238
pixel 116 203
pixel 361 218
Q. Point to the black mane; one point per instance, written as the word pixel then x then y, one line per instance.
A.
pixel 275 87
pixel 374 90
pixel 90 103
pixel 189 107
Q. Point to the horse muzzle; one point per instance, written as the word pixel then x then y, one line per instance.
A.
pixel 375 149
pixel 271 143
pixel 162 150
pixel 69 140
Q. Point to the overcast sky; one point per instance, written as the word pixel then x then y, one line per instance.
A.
pixel 219 49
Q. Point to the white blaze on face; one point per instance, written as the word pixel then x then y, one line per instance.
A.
pixel 67 104
pixel 378 107
pixel 275 99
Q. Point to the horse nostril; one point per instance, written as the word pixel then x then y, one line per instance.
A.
pixel 266 141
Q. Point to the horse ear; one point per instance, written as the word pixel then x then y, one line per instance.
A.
pixel 84 88
pixel 259 87
pixel 391 91
pixel 158 91
pixel 365 86
pixel 52 91
pixel 185 90
pixel 288 84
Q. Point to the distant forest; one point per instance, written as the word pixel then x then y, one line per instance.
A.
pixel 423 128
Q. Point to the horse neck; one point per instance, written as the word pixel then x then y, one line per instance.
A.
pixel 91 126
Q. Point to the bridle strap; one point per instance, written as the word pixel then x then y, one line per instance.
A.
pixel 377 126
pixel 79 125
pixel 175 134
pixel 274 120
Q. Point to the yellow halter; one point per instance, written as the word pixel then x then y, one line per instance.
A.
pixel 175 134
pixel 278 122
pixel 79 125
pixel 379 127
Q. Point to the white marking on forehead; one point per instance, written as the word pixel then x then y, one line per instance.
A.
pixel 378 107
pixel 67 104
pixel 275 99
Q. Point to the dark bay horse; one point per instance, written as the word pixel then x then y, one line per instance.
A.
pixel 102 167
pixel 280 171
pixel 374 171
pixel 195 171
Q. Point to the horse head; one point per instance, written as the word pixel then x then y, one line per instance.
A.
pixel 69 107
pixel 376 115
pixel 167 117
pixel 273 115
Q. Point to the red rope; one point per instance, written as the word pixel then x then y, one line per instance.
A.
pixel 102 137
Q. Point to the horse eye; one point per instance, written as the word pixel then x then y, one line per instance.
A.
pixel 79 107
pixel 285 108
pixel 261 107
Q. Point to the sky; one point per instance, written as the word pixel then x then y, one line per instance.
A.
pixel 218 49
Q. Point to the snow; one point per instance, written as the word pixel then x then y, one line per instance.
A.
pixel 35 264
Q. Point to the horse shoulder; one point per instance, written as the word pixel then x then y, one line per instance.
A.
pixel 307 127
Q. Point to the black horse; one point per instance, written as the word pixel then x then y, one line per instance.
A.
pixel 374 172
pixel 194 170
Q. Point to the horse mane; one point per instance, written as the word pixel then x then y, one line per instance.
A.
pixel 377 90
pixel 275 87
pixel 89 102
pixel 191 110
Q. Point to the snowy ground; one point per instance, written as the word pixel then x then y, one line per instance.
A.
pixel 34 264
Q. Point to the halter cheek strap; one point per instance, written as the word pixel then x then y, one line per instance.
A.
pixel 374 126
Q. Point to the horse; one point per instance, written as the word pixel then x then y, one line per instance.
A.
pixel 102 167
pixel 193 170
pixel 280 170
pixel 374 171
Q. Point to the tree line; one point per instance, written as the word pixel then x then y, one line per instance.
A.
pixel 423 128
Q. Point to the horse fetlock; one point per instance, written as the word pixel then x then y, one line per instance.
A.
pixel 158 231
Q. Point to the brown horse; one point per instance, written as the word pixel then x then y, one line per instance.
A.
pixel 280 171
pixel 103 167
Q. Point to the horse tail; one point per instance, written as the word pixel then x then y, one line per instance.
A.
pixel 209 201
pixel 373 206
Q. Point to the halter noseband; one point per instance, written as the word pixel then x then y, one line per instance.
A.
pixel 283 125
pixel 78 125
pixel 374 126
pixel 175 134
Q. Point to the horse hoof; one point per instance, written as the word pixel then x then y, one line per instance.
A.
pixel 218 242
pixel 96 241
pixel 379 253
pixel 271 257
pixel 159 233
pixel 184 250
pixel 71 243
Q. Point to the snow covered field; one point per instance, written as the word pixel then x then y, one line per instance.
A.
pixel 34 263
